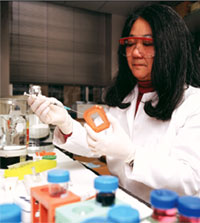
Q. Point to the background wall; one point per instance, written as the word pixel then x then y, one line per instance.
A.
pixel 4 50
pixel 57 44
pixel 71 53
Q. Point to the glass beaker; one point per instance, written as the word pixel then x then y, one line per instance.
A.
pixel 13 124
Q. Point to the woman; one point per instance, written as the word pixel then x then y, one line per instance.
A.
pixel 154 109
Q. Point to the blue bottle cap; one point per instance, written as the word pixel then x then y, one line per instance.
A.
pixel 189 206
pixel 106 183
pixel 58 176
pixel 123 214
pixel 163 199
pixel 95 220
pixel 10 213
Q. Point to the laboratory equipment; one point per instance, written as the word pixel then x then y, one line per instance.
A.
pixel 123 214
pixel 35 90
pixel 29 167
pixel 164 205
pixel 40 135
pixel 82 210
pixel 10 213
pixel 189 209
pixel 97 206
pixel 58 182
pixel 14 135
pixel 120 213
pixel 106 186
pixel 130 43
pixel 43 205
pixel 96 220
pixel 89 116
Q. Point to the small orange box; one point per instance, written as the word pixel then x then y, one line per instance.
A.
pixel 88 118
pixel 43 203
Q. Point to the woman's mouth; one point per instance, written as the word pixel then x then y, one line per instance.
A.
pixel 139 65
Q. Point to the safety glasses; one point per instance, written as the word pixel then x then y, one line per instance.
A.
pixel 141 46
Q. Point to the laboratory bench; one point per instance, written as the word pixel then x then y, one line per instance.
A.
pixel 82 171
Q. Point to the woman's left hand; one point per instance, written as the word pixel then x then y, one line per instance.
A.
pixel 115 144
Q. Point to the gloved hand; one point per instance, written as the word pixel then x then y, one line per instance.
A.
pixel 51 111
pixel 116 144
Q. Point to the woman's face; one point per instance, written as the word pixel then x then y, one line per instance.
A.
pixel 140 53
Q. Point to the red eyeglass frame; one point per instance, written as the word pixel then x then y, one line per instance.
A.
pixel 122 40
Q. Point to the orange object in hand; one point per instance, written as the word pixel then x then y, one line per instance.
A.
pixel 89 120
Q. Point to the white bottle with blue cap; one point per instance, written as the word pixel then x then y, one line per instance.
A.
pixel 58 182
pixel 106 186
pixel 10 213
pixel 189 209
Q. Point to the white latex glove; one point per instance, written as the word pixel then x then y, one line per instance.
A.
pixel 51 111
pixel 115 144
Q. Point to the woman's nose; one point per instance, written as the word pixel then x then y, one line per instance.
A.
pixel 136 52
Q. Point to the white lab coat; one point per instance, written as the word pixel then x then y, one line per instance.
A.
pixel 167 152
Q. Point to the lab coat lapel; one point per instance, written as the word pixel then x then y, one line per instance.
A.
pixel 130 113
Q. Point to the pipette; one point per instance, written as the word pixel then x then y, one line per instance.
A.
pixel 87 115
pixel 67 108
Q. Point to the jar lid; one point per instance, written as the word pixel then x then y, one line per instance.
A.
pixel 163 199
pixel 96 220
pixel 106 183
pixel 58 176
pixel 10 213
pixel 49 157
pixel 189 206
pixel 35 89
pixel 123 214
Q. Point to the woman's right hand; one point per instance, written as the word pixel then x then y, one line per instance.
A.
pixel 51 111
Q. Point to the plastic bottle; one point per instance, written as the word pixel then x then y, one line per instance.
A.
pixel 58 182
pixel 106 186
pixel 10 213
pixel 123 214
pixel 164 204
pixel 189 209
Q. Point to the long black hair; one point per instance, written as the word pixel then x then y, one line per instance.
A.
pixel 176 63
